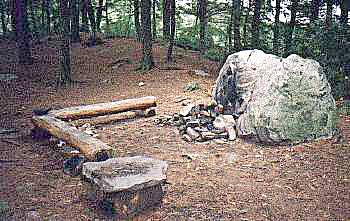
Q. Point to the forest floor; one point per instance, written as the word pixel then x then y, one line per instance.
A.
pixel 233 181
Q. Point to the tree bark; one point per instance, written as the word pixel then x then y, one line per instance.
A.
pixel 84 17
pixel 236 27
pixel 245 33
pixel 329 14
pixel 203 19
pixel 154 22
pixel 33 17
pixel 256 24
pixel 229 28
pixel 99 15
pixel 137 19
pixel 92 110
pixel 291 27
pixel 88 145
pixel 65 73
pixel 92 20
pixel 2 15
pixel 315 10
pixel 147 62
pixel 48 16
pixel 166 19
pixel 75 20
pixel 276 37
pixel 22 33
pixel 172 31
pixel 344 6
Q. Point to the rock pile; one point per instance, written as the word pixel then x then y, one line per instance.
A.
pixel 202 122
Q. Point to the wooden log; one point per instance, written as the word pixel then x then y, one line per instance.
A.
pixel 89 146
pixel 104 108
pixel 115 117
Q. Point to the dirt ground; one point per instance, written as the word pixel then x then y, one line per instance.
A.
pixel 233 181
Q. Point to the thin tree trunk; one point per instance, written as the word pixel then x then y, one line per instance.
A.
pixel 75 20
pixel 236 26
pixel 24 53
pixel 84 17
pixel 137 19
pixel 65 73
pixel 276 37
pixel 329 14
pixel 315 10
pixel 229 28
pixel 3 20
pixel 147 62
pixel 166 19
pixel 256 24
pixel 154 22
pixel 33 18
pixel 344 6
pixel 172 31
pixel 203 19
pixel 13 17
pixel 291 27
pixel 99 15
pixel 92 20
pixel 246 18
pixel 48 16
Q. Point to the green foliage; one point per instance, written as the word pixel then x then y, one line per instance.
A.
pixel 345 108
pixel 192 86
pixel 215 54
pixel 4 209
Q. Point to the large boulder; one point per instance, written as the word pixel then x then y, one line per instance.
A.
pixel 277 99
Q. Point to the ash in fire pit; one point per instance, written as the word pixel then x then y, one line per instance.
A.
pixel 202 122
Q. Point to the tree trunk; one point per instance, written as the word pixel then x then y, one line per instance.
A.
pixel 166 19
pixel 147 61
pixel 329 14
pixel 75 20
pixel 137 19
pixel 236 27
pixel 315 10
pixel 99 15
pixel 107 17
pixel 65 73
pixel 245 33
pixel 92 20
pixel 13 17
pixel 203 19
pixel 84 17
pixel 229 29
pixel 291 27
pixel 154 22
pixel 344 6
pixel 2 15
pixel 33 18
pixel 48 16
pixel 24 54
pixel 172 30
pixel 256 24
pixel 276 37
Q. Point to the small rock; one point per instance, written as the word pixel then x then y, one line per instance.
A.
pixel 186 111
pixel 187 138
pixel 201 73
pixel 180 99
pixel 201 129
pixel 192 86
pixel 192 133
pixel 232 134
pixel 194 123
pixel 209 135
pixel 141 84
pixel 220 141
pixel 69 151
pixel 186 102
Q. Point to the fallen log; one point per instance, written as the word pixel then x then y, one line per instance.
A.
pixel 91 147
pixel 104 108
pixel 115 117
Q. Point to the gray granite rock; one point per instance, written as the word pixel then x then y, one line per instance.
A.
pixel 126 173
